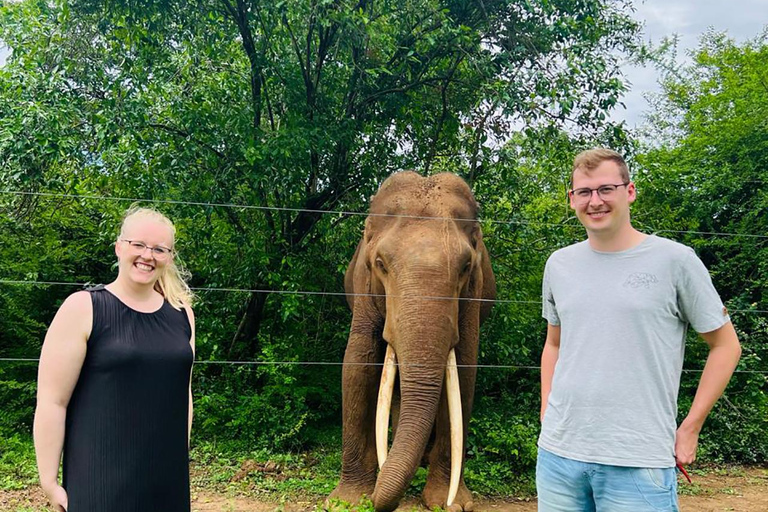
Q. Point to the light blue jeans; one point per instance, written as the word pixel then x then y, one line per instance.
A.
pixel 567 485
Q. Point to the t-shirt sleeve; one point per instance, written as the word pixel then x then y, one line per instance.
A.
pixel 698 300
pixel 548 306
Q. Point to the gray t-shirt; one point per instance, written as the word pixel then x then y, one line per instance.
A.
pixel 623 318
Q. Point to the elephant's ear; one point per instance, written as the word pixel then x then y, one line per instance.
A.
pixel 367 231
pixel 488 281
pixel 365 248
pixel 475 281
pixel 475 235
pixel 473 287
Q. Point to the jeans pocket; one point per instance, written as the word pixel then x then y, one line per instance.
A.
pixel 658 487
pixel 661 478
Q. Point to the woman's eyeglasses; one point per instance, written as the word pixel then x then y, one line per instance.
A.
pixel 158 252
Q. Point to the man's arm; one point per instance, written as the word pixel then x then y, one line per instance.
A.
pixel 548 360
pixel 724 353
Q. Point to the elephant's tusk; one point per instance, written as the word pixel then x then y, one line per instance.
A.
pixel 457 435
pixel 388 374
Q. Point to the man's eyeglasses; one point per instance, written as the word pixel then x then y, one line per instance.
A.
pixel 158 252
pixel 605 192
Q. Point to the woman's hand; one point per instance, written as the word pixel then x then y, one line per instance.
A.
pixel 57 496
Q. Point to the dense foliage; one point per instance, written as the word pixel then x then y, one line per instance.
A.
pixel 287 108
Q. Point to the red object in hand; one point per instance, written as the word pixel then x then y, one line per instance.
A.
pixel 684 472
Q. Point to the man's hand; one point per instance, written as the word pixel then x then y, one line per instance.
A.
pixel 724 353
pixel 686 443
pixel 58 497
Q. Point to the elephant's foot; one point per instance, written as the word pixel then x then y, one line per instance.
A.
pixel 351 492
pixel 436 494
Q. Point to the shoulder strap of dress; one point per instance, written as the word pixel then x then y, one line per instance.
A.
pixel 100 300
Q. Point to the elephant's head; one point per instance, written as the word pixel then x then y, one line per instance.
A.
pixel 424 254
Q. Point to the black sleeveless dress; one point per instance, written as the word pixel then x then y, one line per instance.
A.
pixel 125 444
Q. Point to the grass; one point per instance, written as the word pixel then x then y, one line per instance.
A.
pixel 693 489
pixel 365 505
pixel 232 469
pixel 18 469
pixel 274 477
pixel 314 474
pixel 261 473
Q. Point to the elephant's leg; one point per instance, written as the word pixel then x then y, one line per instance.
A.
pixel 438 479
pixel 360 383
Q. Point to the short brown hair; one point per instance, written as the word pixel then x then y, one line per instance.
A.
pixel 590 159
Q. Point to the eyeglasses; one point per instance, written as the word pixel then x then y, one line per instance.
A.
pixel 604 192
pixel 158 252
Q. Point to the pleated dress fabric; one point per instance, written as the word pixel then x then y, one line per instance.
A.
pixel 125 444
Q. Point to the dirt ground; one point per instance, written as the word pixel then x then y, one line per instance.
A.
pixel 721 490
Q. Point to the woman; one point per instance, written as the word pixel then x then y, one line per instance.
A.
pixel 114 383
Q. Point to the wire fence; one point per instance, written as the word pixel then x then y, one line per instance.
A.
pixel 291 292
pixel 338 363
pixel 336 294
pixel 344 212
pixel 324 293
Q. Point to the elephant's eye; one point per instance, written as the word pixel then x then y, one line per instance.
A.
pixel 467 267
pixel 380 265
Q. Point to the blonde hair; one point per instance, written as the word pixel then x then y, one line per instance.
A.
pixel 590 159
pixel 172 281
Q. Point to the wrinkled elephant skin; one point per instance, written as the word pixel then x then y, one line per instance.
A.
pixel 420 262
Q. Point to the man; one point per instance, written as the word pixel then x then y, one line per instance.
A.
pixel 618 305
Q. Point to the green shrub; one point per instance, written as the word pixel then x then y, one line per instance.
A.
pixel 17 399
pixel 18 468
pixel 501 448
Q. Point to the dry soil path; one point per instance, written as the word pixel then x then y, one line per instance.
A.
pixel 734 490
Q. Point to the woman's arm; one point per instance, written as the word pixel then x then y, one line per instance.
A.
pixel 61 359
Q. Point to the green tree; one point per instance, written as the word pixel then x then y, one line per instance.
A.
pixel 298 104
pixel 290 107
pixel 708 174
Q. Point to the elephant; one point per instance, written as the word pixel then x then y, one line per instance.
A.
pixel 419 286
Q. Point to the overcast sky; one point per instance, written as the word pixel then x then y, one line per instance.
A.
pixel 689 19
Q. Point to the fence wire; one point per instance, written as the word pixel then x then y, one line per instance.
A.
pixel 336 363
pixel 338 294
pixel 338 212
pixel 289 292
pixel 318 293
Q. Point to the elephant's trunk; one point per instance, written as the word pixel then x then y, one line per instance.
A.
pixel 421 381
